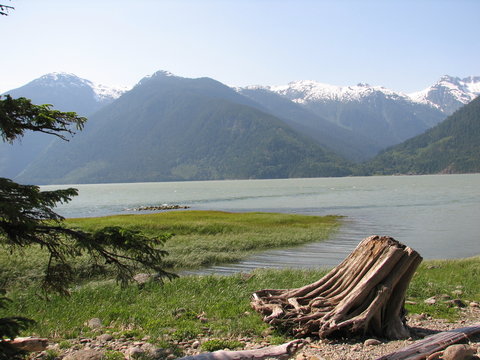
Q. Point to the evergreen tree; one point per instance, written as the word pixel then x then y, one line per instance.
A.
pixel 4 9
pixel 27 219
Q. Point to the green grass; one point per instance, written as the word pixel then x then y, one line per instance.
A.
pixel 205 238
pixel 213 306
pixel 201 238
pixel 217 306
pixel 440 277
pixel 220 344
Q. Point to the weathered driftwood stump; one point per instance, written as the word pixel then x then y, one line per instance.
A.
pixel 365 294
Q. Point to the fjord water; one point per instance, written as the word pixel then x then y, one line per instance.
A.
pixel 437 215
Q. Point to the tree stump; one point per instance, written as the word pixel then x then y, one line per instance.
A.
pixel 363 295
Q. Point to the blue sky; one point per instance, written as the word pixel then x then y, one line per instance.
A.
pixel 403 45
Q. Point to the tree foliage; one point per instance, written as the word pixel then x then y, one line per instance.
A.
pixel 20 115
pixel 10 327
pixel 4 9
pixel 27 219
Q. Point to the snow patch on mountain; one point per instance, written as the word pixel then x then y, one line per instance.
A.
pixel 157 75
pixel 103 92
pixel 306 91
pixel 66 80
pixel 447 95
pixel 449 91
pixel 473 84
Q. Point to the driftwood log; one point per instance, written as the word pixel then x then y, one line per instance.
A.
pixel 421 349
pixel 363 295
pixel 28 344
pixel 283 351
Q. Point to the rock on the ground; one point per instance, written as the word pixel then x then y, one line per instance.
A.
pixel 85 355
pixel 152 351
pixel 104 337
pixel 458 352
pixel 369 342
pixel 435 356
pixel 134 352
pixel 29 344
pixel 455 302
pixel 300 357
pixel 94 323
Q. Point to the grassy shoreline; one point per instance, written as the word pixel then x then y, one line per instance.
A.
pixel 208 306
pixel 206 238
pixel 201 239
pixel 215 306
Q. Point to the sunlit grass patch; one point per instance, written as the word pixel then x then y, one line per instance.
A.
pixel 456 278
pixel 184 308
pixel 203 238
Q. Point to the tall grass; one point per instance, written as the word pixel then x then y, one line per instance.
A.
pixel 203 238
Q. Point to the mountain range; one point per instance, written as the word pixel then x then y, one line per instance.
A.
pixel 377 116
pixel 173 128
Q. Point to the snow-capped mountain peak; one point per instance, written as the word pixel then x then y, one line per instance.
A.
pixel 164 73
pixel 157 75
pixel 104 92
pixel 60 79
pixel 308 90
pixel 449 93
pixel 68 80
pixel 473 84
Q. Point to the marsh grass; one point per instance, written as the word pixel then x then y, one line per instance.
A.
pixel 200 239
pixel 204 238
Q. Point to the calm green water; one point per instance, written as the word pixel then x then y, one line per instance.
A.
pixel 437 215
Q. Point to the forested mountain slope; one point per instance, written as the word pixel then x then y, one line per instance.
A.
pixel 452 146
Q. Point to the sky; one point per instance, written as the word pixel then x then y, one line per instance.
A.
pixel 399 44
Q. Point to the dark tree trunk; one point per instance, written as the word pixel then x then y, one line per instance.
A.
pixel 365 294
